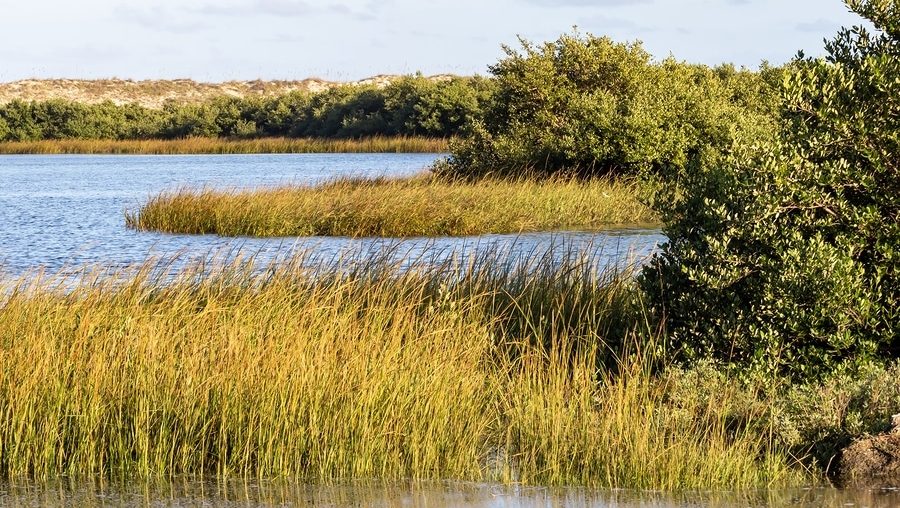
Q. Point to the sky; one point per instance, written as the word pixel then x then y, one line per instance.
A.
pixel 218 40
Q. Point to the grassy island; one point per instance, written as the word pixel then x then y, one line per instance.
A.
pixel 417 206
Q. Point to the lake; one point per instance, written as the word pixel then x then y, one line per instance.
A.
pixel 63 211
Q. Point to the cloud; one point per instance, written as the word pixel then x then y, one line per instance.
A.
pixel 282 38
pixel 607 23
pixel 819 26
pixel 157 18
pixel 287 9
pixel 365 15
pixel 258 7
pixel 587 3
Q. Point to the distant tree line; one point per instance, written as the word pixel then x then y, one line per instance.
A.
pixel 411 106
pixel 575 104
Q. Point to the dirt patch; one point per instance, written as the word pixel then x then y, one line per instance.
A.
pixel 871 462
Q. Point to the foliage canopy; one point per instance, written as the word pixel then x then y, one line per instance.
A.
pixel 410 106
pixel 786 256
pixel 590 105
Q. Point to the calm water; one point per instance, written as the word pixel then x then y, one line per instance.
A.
pixel 59 212
pixel 441 495
pixel 67 211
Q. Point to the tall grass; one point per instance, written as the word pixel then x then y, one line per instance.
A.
pixel 400 144
pixel 366 370
pixel 420 206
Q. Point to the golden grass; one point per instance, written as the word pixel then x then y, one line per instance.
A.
pixel 487 372
pixel 191 146
pixel 420 206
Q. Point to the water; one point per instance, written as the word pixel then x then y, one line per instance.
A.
pixel 65 212
pixel 60 212
pixel 413 495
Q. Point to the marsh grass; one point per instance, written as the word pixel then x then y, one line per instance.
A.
pixel 197 145
pixel 472 371
pixel 423 205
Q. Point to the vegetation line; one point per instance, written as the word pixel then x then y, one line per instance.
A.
pixel 206 145
pixel 418 206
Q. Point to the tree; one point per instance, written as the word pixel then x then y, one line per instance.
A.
pixel 590 105
pixel 786 256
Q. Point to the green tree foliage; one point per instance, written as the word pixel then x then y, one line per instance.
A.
pixel 410 106
pixel 21 122
pixel 786 257
pixel 591 105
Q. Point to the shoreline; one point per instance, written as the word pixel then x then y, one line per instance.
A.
pixel 225 146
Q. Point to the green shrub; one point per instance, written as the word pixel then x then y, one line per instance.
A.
pixel 592 105
pixel 813 420
pixel 445 108
pixel 20 120
pixel 408 106
pixel 786 256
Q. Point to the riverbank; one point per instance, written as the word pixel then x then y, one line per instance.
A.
pixel 199 146
pixel 398 207
pixel 371 370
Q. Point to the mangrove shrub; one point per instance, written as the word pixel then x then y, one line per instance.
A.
pixel 408 106
pixel 786 257
pixel 595 106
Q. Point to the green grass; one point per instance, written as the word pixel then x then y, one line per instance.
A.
pixel 226 146
pixel 419 206
pixel 491 371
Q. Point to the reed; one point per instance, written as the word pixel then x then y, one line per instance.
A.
pixel 197 145
pixel 369 369
pixel 402 207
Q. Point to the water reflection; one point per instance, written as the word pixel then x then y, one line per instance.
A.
pixel 67 211
pixel 187 493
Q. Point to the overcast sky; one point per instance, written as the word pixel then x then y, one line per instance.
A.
pixel 214 40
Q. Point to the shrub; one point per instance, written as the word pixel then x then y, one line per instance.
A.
pixel 408 106
pixel 813 420
pixel 787 257
pixel 20 121
pixel 445 108
pixel 589 104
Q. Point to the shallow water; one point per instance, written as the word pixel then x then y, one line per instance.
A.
pixel 67 211
pixel 407 495
pixel 59 212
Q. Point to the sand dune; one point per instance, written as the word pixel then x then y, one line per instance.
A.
pixel 154 93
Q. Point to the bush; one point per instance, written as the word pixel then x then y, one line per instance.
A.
pixel 595 106
pixel 409 106
pixel 813 420
pixel 786 257
pixel 20 120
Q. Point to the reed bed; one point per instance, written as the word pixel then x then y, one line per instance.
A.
pixel 472 371
pixel 197 146
pixel 397 207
